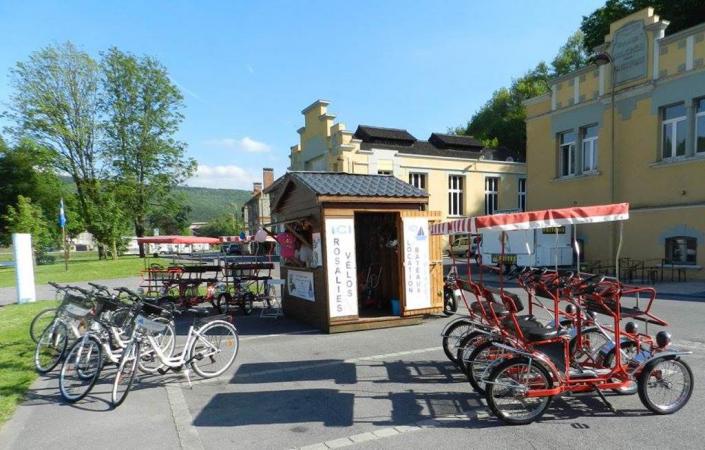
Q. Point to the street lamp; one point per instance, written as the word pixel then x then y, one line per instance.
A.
pixel 601 59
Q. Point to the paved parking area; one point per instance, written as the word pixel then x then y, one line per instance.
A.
pixel 292 387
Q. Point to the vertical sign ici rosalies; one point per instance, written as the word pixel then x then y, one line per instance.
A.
pixel 341 267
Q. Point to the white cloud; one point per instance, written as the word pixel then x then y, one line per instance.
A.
pixel 224 177
pixel 246 144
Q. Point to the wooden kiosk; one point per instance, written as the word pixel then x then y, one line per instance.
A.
pixel 364 256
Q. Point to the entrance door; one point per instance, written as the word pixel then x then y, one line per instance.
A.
pixel 422 263
pixel 377 252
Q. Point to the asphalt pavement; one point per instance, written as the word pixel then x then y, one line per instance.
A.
pixel 293 387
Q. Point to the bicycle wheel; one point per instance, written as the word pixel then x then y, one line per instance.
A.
pixel 507 387
pixel 450 304
pixel 149 361
pixel 452 336
pixel 81 368
pixel 466 346
pixel 42 320
pixel 588 350
pixel 125 373
pixel 665 385
pixel 478 364
pixel 51 347
pixel 215 349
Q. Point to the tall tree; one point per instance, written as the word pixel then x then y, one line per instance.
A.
pixel 143 109
pixel 56 103
pixel 681 14
pixel 571 56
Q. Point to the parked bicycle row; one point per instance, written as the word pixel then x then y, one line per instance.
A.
pixel 97 327
pixel 520 362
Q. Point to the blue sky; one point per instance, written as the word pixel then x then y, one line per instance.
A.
pixel 247 69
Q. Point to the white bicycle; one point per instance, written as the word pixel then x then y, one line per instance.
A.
pixel 211 346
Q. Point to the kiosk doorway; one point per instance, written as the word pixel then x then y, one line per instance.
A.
pixel 378 262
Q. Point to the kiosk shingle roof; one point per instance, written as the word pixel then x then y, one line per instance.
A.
pixel 334 183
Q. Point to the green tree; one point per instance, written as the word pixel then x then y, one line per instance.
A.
pixel 681 14
pixel 111 222
pixel 27 217
pixel 172 217
pixel 143 113
pixel 26 170
pixel 55 102
pixel 224 225
pixel 501 120
pixel 571 56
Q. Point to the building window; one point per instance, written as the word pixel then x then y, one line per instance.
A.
pixel 491 191
pixel 384 172
pixel 521 204
pixel 418 180
pixel 589 146
pixel 700 125
pixel 673 131
pixel 681 250
pixel 455 195
pixel 566 149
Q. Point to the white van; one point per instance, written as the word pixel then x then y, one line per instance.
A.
pixel 536 248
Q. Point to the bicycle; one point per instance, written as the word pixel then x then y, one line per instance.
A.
pixel 199 353
pixel 103 343
pixel 52 343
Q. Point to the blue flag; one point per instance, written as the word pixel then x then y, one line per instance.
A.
pixel 62 217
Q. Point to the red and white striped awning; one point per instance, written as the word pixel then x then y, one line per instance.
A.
pixel 535 219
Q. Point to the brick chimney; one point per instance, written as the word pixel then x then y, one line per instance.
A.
pixel 256 188
pixel 267 177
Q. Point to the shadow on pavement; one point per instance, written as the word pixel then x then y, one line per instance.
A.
pixel 420 372
pixel 311 370
pixel 327 406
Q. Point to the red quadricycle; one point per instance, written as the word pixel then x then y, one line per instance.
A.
pixel 526 362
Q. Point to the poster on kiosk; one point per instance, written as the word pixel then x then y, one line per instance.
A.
pixel 341 267
pixel 417 285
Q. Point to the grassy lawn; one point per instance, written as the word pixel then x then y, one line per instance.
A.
pixel 82 267
pixel 16 354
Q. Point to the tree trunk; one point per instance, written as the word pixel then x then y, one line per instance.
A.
pixel 114 250
pixel 101 252
pixel 139 232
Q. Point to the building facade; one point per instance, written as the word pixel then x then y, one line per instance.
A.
pixel 461 177
pixel 631 129
pixel 256 211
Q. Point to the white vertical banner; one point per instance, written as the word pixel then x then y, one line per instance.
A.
pixel 417 285
pixel 341 267
pixel 24 267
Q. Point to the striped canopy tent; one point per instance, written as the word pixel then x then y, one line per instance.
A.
pixel 535 219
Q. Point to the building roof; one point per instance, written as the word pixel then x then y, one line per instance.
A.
pixel 424 148
pixel 367 133
pixel 357 185
pixel 455 141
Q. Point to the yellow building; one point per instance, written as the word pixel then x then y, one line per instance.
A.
pixel 637 137
pixel 461 177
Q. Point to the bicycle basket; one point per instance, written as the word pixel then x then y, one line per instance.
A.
pixel 77 309
pixel 149 325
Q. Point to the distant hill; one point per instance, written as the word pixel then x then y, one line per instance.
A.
pixel 206 203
